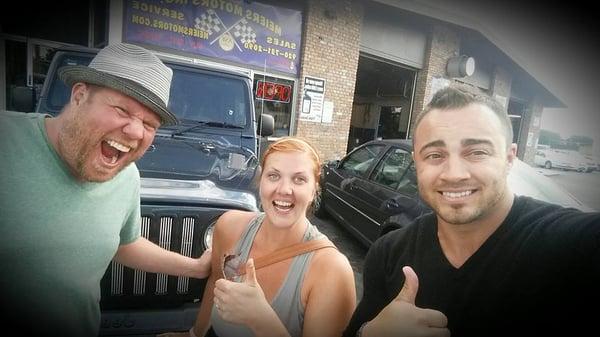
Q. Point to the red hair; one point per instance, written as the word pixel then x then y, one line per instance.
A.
pixel 295 144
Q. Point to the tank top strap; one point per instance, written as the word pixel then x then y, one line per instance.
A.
pixel 312 232
pixel 244 244
pixel 288 301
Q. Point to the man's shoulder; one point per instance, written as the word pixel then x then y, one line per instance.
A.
pixel 16 115
pixel 533 213
pixel 15 124
pixel 528 206
pixel 21 130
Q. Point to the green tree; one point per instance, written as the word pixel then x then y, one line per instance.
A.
pixel 581 140
pixel 550 138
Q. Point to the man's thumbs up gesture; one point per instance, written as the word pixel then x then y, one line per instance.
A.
pixel 402 318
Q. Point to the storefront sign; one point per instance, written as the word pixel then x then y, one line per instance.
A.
pixel 327 116
pixel 312 101
pixel 276 92
pixel 245 32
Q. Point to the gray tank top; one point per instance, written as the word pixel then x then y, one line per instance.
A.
pixel 286 303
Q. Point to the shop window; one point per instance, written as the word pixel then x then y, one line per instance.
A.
pixel 15 72
pixel 274 96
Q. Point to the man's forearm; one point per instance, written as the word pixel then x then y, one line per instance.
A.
pixel 145 255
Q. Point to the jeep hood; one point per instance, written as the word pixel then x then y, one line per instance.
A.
pixel 226 164
pixel 194 192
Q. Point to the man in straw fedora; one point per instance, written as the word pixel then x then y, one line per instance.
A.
pixel 70 196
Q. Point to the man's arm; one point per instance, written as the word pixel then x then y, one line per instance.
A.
pixel 145 255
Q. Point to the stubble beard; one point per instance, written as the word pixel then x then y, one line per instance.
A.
pixel 460 215
pixel 76 143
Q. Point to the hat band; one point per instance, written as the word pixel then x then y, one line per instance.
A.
pixel 159 86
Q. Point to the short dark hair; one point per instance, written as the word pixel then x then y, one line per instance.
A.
pixel 453 98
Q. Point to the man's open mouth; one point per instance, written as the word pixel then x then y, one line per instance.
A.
pixel 113 150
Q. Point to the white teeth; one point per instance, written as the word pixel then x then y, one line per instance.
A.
pixel 114 159
pixel 118 146
pixel 282 203
pixel 457 194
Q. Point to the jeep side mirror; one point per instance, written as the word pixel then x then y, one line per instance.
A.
pixel 266 125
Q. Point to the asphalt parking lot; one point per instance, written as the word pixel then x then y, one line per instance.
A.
pixel 347 244
pixel 584 186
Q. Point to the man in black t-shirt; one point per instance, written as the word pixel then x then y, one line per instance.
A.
pixel 485 263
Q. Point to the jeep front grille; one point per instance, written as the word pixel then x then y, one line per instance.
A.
pixel 139 277
pixel 164 240
pixel 182 233
pixel 187 242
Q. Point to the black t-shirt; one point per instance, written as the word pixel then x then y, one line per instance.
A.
pixel 537 274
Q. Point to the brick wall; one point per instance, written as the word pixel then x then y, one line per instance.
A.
pixel 331 38
pixel 501 83
pixel 331 46
pixel 443 43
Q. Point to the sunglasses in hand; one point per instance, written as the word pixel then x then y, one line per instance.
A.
pixel 232 267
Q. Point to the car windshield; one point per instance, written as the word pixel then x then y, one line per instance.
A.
pixel 525 180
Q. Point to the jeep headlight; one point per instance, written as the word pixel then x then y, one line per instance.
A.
pixel 208 235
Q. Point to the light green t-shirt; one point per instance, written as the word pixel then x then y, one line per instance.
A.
pixel 57 235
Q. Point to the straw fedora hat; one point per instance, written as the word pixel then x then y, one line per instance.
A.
pixel 132 70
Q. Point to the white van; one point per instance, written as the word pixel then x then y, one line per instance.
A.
pixel 563 159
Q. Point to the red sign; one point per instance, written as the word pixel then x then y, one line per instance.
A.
pixel 271 91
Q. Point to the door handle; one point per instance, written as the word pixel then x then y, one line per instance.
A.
pixel 392 204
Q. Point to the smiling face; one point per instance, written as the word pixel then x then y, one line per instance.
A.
pixel 462 160
pixel 102 131
pixel 288 184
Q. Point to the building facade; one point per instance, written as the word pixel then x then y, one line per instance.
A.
pixel 338 73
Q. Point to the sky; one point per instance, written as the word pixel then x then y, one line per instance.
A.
pixel 559 45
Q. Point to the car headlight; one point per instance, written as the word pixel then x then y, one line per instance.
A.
pixel 208 235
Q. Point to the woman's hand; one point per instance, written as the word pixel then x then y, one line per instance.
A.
pixel 244 302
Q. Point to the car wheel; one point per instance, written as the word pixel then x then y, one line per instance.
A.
pixel 319 206
pixel 548 165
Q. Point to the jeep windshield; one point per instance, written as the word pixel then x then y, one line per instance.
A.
pixel 188 125
pixel 196 96
pixel 209 98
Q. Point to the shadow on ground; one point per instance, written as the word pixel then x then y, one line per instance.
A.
pixel 347 244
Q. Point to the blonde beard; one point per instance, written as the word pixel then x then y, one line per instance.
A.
pixel 76 142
